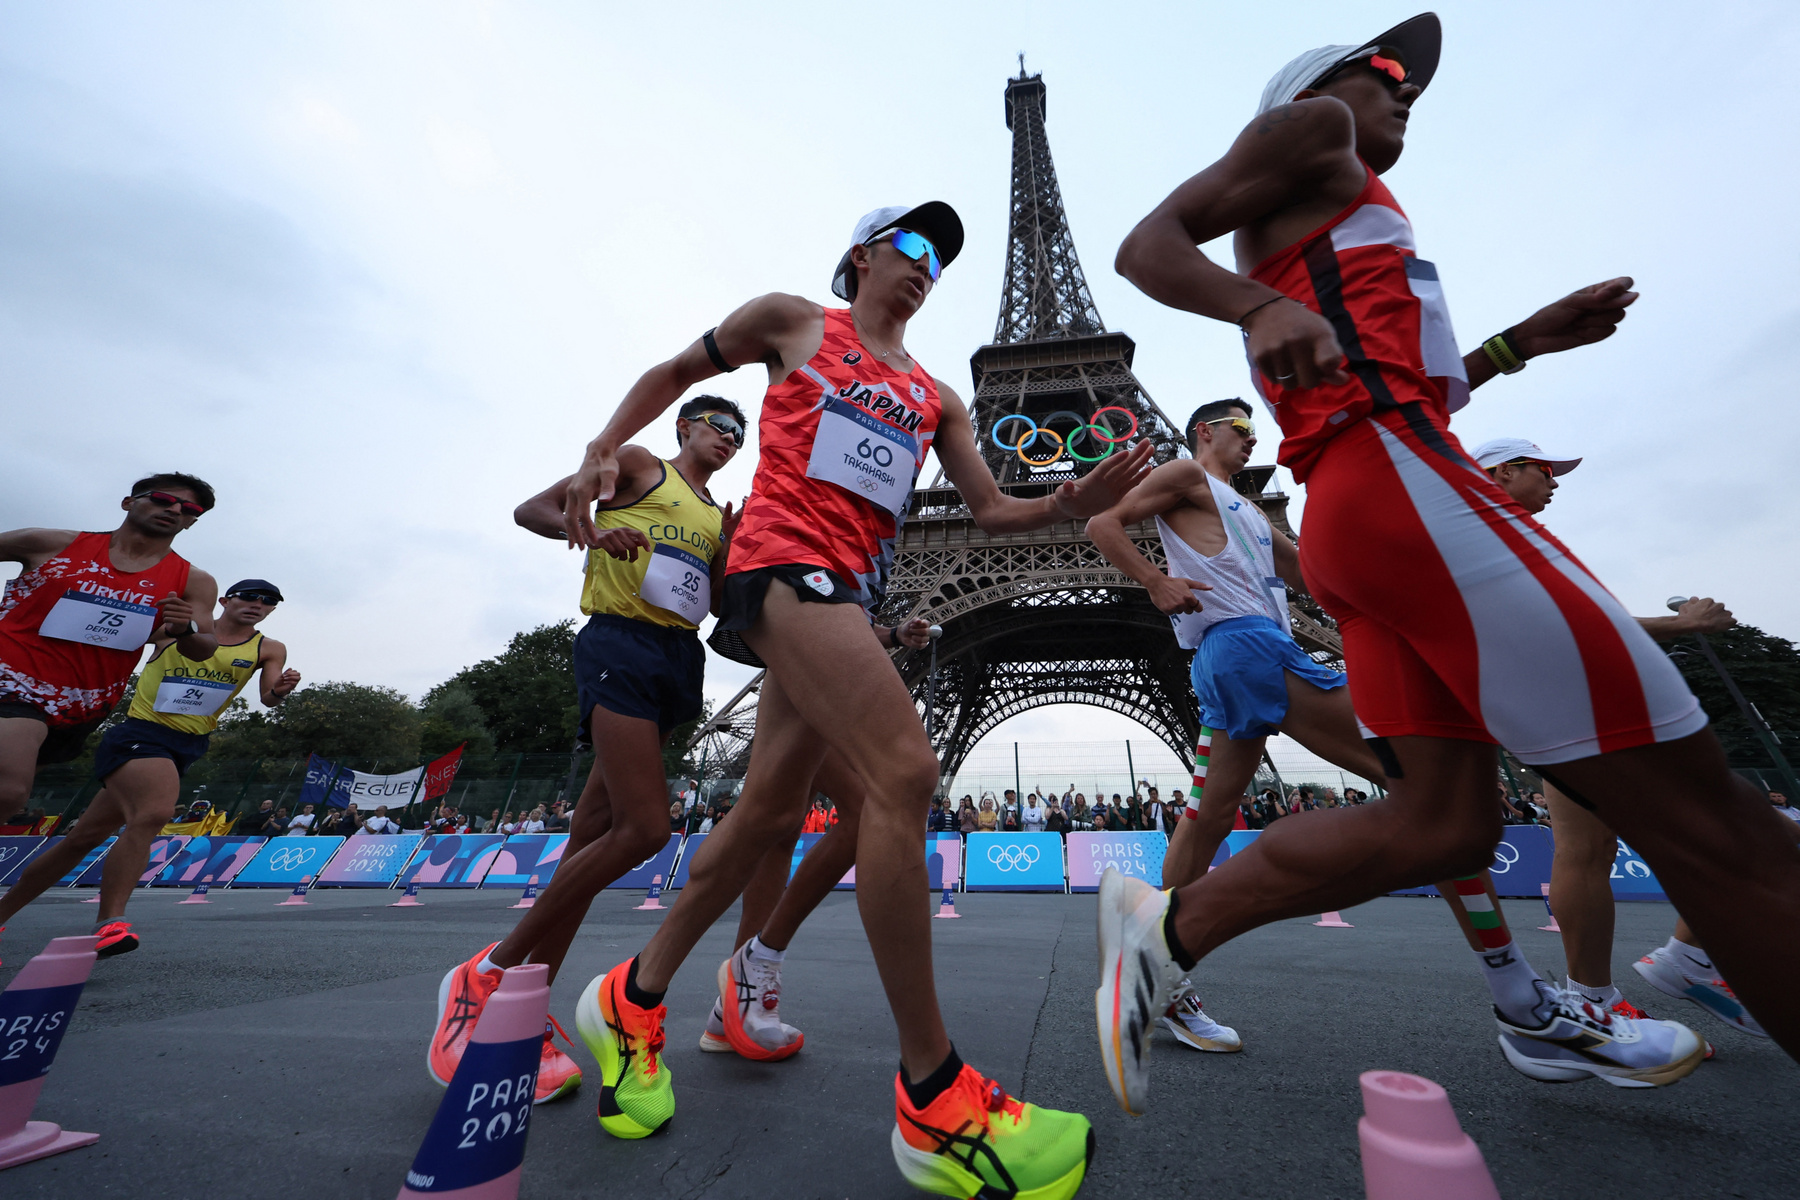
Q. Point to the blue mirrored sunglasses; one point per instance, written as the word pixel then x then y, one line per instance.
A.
pixel 916 246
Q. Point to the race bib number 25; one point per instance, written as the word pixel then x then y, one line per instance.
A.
pixel 678 581
pixel 99 621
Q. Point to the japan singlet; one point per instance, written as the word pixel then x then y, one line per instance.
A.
pixel 71 630
pixel 843 439
pixel 672 584
pixel 1244 583
pixel 1361 272
pixel 188 695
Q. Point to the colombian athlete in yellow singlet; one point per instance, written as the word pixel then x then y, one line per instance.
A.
pixel 651 577
pixel 141 759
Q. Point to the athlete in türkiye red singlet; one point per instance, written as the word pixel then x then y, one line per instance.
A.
pixel 1361 271
pixel 842 441
pixel 75 681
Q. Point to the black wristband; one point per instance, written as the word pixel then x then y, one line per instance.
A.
pixel 712 351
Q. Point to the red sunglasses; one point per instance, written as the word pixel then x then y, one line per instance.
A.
pixel 1384 61
pixel 188 507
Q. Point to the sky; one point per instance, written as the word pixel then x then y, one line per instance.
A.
pixel 379 271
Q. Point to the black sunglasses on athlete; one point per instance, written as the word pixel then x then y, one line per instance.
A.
pixel 727 427
pixel 258 597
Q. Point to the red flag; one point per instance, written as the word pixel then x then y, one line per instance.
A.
pixel 440 773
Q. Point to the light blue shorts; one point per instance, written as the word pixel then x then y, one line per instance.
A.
pixel 1239 675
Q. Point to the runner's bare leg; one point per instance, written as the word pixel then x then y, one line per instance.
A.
pixel 1230 768
pixel 146 790
pixel 777 785
pixel 1581 893
pixel 765 889
pixel 98 822
pixel 630 762
pixel 1722 856
pixel 826 863
pixel 20 740
pixel 589 822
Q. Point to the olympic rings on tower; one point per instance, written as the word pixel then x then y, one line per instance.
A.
pixel 1065 444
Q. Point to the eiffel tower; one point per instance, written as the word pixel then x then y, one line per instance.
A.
pixel 1037 618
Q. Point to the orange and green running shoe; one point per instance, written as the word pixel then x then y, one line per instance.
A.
pixel 976 1141
pixel 637 1096
pixel 462 995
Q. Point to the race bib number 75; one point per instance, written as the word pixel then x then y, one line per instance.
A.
pixel 99 621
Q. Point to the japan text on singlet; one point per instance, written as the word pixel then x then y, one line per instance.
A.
pixel 1244 583
pixel 1360 271
pixel 672 584
pixel 187 694
pixel 841 442
pixel 71 630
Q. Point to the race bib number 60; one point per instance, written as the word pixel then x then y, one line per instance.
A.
pixel 99 621
pixel 865 455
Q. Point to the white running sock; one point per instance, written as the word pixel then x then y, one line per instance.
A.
pixel 1511 981
pixel 1605 997
pixel 758 950
pixel 488 964
pixel 1692 960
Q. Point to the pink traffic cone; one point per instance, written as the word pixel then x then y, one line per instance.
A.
pixel 409 898
pixel 1412 1145
pixel 1552 927
pixel 475 1147
pixel 93 899
pixel 1332 920
pixel 299 894
pixel 530 897
pixel 198 895
pixel 35 1010
pixel 947 907
pixel 650 898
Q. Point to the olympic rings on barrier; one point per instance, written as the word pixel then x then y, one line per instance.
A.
pixel 1064 443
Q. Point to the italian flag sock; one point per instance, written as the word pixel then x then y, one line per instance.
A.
pixel 1202 752
pixel 1510 978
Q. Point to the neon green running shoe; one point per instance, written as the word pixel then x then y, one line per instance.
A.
pixel 976 1141
pixel 637 1095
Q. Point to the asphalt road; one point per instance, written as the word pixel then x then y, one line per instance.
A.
pixel 254 1051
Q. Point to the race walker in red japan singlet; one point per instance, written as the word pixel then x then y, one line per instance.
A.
pixel 71 631
pixel 843 439
pixel 1462 617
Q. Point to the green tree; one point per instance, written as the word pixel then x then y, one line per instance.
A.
pixel 336 720
pixel 1766 669
pixel 676 760
pixel 527 693
pixel 452 718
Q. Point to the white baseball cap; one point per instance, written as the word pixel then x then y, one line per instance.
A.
pixel 1489 455
pixel 934 219
pixel 1418 39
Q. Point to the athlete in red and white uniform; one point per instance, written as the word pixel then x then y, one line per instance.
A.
pixel 1464 622
pixel 846 423
pixel 75 622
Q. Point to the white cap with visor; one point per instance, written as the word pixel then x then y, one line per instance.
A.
pixel 1489 455
pixel 1416 40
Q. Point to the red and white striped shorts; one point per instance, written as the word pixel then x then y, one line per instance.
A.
pixel 1464 618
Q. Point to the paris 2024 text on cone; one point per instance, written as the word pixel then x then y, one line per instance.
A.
pixel 1413 1148
pixel 475 1147
pixel 34 1013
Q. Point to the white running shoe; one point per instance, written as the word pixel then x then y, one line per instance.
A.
pixel 1577 1038
pixel 1664 972
pixel 750 1008
pixel 1137 980
pixel 712 1038
pixel 1194 1028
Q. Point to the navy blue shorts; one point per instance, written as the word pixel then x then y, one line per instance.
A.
pixel 1240 675
pixel 134 738
pixel 637 669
